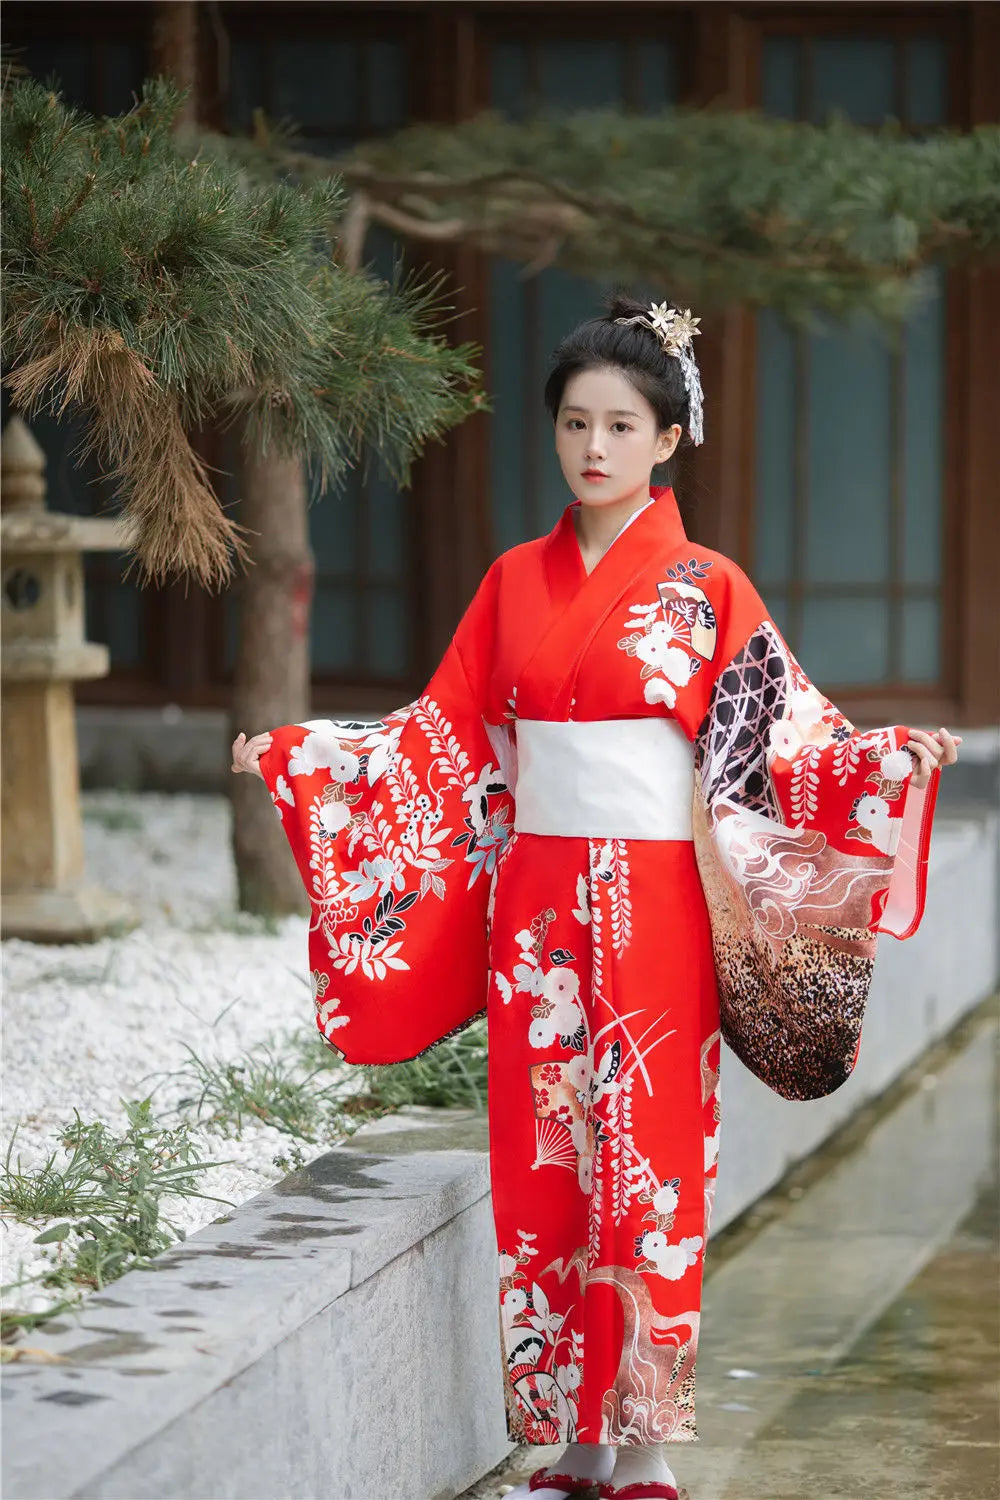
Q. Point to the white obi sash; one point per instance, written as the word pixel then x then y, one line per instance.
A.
pixel 604 778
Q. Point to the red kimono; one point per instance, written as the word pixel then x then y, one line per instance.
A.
pixel 619 822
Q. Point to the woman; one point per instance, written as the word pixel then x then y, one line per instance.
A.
pixel 621 822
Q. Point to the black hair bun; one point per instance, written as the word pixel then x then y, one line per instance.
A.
pixel 621 305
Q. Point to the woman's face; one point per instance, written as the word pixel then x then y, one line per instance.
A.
pixel 605 425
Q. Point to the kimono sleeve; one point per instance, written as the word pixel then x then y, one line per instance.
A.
pixel 810 842
pixel 396 827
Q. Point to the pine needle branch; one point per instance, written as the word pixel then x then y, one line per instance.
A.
pixel 159 288
pixel 723 206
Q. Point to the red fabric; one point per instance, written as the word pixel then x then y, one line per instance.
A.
pixel 643 1489
pixel 572 1484
pixel 604 1055
pixel 608 969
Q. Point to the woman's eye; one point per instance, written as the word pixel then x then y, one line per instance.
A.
pixel 626 426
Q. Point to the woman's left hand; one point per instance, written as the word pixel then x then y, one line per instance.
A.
pixel 931 750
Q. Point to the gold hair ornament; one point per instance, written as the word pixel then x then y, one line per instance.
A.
pixel 676 331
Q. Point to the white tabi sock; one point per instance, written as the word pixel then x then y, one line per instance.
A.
pixel 642 1461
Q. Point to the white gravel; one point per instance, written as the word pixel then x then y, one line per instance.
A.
pixel 85 1024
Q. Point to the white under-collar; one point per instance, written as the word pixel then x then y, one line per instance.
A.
pixel 649 502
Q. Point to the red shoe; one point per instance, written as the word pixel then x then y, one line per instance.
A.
pixel 642 1489
pixel 571 1483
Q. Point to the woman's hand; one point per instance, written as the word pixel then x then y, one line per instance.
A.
pixel 247 753
pixel 929 751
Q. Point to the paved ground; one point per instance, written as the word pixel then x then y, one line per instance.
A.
pixel 863 1296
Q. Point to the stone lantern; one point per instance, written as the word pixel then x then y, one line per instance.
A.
pixel 44 895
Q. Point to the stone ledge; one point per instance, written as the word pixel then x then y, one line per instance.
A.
pixel 145 1355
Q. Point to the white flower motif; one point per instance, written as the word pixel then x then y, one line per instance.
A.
pixel 284 791
pixel 654 1242
pixel 568 1377
pixel 525 942
pixel 334 816
pixel 656 648
pixel 580 1071
pixel 806 709
pixel 874 814
pixel 665 1199
pixel 344 766
pixel 505 987
pixel 320 751
pixel 896 766
pixel 658 690
pixel 676 665
pixel 784 739
pixel 541 1032
pixel 515 1300
pixel 578 1135
pixel 566 1017
pixel 671 1261
pixel 711 1149
pixel 561 983
pixel 585 1173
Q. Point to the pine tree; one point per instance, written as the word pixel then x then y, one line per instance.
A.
pixel 161 288
pixel 723 206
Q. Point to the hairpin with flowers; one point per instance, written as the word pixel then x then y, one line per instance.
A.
pixel 676 331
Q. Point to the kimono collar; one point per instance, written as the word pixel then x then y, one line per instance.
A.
pixel 657 527
pixel 581 601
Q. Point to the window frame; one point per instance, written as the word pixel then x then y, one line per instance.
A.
pixel 960 695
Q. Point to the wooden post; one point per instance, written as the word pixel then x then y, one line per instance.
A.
pixel 723 470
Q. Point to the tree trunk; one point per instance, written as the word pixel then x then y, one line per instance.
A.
pixel 271 683
pixel 174 51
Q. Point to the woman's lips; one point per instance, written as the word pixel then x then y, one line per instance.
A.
pixel 593 474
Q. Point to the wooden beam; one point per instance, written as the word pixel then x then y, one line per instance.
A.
pixel 452 530
pixel 978 652
pixel 724 74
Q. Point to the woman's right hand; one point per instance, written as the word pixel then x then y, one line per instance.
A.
pixel 247 753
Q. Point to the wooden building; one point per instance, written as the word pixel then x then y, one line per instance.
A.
pixel 856 481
